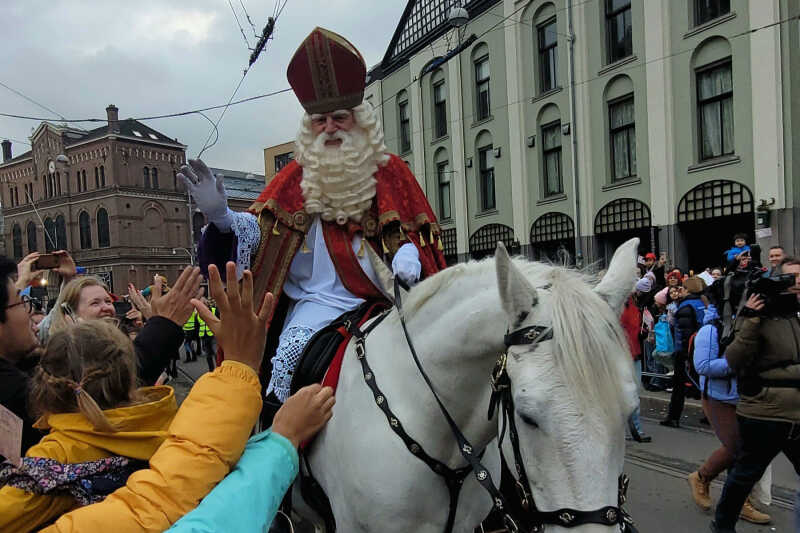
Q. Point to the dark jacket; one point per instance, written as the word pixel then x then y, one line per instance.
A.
pixel 688 319
pixel 14 382
pixel 767 348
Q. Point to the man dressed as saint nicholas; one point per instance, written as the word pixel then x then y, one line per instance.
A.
pixel 304 238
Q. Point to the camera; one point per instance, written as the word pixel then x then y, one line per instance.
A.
pixel 774 292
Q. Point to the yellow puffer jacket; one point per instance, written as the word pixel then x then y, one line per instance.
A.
pixel 72 439
pixel 205 441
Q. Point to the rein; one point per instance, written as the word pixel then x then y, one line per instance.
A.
pixel 533 519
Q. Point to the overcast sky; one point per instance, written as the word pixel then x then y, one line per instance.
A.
pixel 153 57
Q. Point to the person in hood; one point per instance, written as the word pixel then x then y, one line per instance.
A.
pixel 719 398
pixel 102 428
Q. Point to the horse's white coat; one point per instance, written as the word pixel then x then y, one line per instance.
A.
pixel 578 389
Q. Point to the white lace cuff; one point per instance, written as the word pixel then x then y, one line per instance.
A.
pixel 248 236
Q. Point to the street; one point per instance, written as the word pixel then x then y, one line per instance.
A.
pixel 658 497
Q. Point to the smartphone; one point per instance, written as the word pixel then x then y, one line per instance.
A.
pixel 122 308
pixel 46 262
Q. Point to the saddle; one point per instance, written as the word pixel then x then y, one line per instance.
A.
pixel 321 360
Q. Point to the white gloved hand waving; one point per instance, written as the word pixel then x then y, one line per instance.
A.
pixel 406 264
pixel 208 191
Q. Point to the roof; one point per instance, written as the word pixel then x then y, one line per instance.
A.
pixel 241 185
pixel 128 128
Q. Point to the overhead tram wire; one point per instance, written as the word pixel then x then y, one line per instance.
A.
pixel 249 20
pixel 31 100
pixel 236 17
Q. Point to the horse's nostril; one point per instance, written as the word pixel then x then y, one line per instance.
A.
pixel 528 420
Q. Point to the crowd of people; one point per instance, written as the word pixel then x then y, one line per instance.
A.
pixel 703 334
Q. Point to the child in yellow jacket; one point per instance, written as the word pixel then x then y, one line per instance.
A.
pixel 85 391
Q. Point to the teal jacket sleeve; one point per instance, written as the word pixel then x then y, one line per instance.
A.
pixel 248 498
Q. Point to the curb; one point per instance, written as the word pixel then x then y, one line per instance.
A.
pixel 654 405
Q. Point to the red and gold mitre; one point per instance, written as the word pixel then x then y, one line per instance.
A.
pixel 327 73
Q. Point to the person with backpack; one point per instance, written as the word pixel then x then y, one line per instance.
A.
pixel 719 398
pixel 688 319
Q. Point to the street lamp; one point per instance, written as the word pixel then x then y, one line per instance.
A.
pixel 188 252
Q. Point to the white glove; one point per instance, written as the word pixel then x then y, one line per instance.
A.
pixel 406 264
pixel 208 191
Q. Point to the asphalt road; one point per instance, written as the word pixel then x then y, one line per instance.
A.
pixel 658 498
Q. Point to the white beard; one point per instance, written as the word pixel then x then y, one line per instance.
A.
pixel 338 181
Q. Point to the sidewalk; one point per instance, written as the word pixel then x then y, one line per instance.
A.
pixel 654 405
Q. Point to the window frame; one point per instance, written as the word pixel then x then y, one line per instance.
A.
pixel 719 98
pixel 483 182
pixel 700 18
pixel 611 15
pixel 479 82
pixel 544 50
pixel 146 178
pixel 546 153
pixel 442 183
pixel 31 237
pixel 628 129
pixel 404 125
pixel 106 225
pixel 85 230
pixel 439 110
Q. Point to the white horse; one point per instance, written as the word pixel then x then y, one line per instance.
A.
pixel 572 396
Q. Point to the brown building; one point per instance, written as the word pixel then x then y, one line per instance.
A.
pixel 276 157
pixel 108 195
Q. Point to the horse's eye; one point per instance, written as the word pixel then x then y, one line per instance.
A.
pixel 528 420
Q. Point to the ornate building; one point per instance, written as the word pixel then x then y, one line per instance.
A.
pixel 108 195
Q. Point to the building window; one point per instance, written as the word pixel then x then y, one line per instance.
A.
pixel 61 233
pixel 58 183
pixel 486 168
pixel 715 111
pixel 281 160
pixel 96 178
pixel 83 180
pixel 439 110
pixel 551 156
pixel 154 177
pixel 102 176
pixel 16 239
pixel 619 31
pixel 483 102
pixel 405 126
pixel 548 56
pixel 85 230
pixel 622 131
pixel 705 10
pixel 103 237
pixel 443 177
pixel 49 234
pixel 146 173
pixel 31 231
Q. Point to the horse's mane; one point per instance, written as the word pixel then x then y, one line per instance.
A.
pixel 587 336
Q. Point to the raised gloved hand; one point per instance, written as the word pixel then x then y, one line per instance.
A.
pixel 406 264
pixel 208 191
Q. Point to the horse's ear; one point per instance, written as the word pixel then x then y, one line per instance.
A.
pixel 385 276
pixel 517 295
pixel 617 284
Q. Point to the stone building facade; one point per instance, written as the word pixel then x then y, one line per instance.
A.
pixel 108 195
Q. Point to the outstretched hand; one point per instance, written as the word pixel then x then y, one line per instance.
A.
pixel 240 332
pixel 207 189
pixel 304 413
pixel 176 305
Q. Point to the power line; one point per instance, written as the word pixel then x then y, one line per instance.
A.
pixel 235 16
pixel 31 100
pixel 246 14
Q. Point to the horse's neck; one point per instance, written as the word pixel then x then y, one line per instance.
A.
pixel 457 336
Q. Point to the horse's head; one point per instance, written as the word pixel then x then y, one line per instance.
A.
pixel 572 392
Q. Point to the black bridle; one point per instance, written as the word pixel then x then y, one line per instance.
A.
pixel 532 519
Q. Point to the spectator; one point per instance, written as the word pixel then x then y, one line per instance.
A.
pixel 207 343
pixel 656 266
pixel 719 398
pixel 631 321
pixel 739 246
pixel 191 337
pixel 211 428
pixel 716 273
pixel 776 255
pixel 85 391
pixel 674 278
pixel 764 353
pixel 688 319
pixel 17 341
pixel 85 297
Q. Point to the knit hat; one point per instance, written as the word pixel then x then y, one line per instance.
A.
pixel 650 255
pixel 694 285
pixel 661 296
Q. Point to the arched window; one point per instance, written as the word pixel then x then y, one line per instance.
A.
pixel 61 233
pixel 712 64
pixel 404 121
pixel 103 237
pixel 85 230
pixel 443 183
pixel 102 176
pixel 550 133
pixel 146 173
pixel 49 234
pixel 484 241
pixel 480 62
pixel 16 236
pixel 154 174
pixel 486 178
pixel 621 128
pixel 31 231
pixel 439 95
